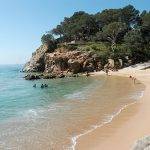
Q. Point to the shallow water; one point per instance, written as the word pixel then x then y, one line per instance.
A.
pixel 36 119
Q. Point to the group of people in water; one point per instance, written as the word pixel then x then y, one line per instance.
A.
pixel 42 86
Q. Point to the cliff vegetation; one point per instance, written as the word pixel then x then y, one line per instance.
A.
pixel 113 38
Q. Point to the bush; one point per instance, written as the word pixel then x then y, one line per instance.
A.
pixel 101 49
pixel 71 47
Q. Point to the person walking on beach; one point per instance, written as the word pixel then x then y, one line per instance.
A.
pixel 87 74
pixel 133 78
pixel 107 71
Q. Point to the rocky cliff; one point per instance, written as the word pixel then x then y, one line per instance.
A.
pixel 62 60
pixel 37 61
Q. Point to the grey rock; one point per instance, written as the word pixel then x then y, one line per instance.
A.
pixel 142 144
pixel 32 77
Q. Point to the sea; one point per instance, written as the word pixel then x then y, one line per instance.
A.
pixel 53 118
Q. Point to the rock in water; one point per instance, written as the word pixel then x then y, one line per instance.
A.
pixel 32 77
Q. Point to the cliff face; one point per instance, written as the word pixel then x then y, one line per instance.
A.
pixel 37 63
pixel 62 60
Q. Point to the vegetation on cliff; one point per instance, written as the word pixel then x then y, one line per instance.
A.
pixel 87 42
pixel 125 31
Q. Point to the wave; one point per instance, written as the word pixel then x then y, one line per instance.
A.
pixel 85 92
pixel 107 121
pixel 80 95
pixel 39 112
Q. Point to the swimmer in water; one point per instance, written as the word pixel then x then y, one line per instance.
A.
pixel 42 86
pixel 34 85
pixel 46 85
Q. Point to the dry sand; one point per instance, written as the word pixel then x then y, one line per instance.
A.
pixel 131 124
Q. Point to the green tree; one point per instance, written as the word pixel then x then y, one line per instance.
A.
pixel 134 42
pixel 49 40
pixel 79 26
pixel 113 32
pixel 108 16
pixel 145 29
pixel 129 14
pixel 58 31
pixel 146 19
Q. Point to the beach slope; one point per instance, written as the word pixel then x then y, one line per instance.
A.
pixel 131 124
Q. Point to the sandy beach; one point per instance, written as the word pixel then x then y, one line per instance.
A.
pixel 131 124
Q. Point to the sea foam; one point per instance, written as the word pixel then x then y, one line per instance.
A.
pixel 108 120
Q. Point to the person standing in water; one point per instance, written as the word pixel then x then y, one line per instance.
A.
pixel 34 85
pixel 46 85
pixel 42 86
pixel 87 74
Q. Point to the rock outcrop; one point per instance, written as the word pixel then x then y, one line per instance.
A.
pixel 32 77
pixel 62 61
pixel 37 63
pixel 71 61
pixel 142 144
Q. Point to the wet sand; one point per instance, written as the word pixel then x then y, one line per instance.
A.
pixel 131 124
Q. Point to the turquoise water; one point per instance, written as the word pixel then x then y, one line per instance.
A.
pixel 18 95
pixel 52 118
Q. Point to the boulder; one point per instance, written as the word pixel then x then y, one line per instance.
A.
pixel 49 76
pixel 74 66
pixel 89 68
pixel 110 64
pixel 120 63
pixel 61 75
pixel 32 77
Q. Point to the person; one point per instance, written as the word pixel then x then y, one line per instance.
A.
pixel 42 86
pixel 107 71
pixel 34 85
pixel 46 85
pixel 87 74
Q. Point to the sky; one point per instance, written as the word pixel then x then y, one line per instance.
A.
pixel 23 22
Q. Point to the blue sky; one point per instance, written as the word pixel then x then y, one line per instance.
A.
pixel 22 22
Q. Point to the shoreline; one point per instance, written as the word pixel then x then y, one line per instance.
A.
pixel 74 139
pixel 108 136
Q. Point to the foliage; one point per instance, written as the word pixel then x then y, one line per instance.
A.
pixel 108 16
pixel 80 26
pixel 126 31
pixel 135 43
pixel 113 31
pixel 129 14
pixel 48 39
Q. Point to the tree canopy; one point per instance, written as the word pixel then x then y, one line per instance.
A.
pixel 125 28
pixel 113 31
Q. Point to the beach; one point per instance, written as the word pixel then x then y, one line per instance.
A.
pixel 129 125
pixel 58 116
